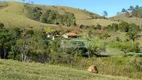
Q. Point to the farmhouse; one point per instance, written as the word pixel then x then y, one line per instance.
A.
pixel 70 35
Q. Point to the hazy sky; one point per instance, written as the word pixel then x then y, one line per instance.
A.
pixel 97 6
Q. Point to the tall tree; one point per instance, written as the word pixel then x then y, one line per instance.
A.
pixel 124 10
pixel 131 8
pixel 137 7
pixel 5 43
pixel 95 49
pixel 105 14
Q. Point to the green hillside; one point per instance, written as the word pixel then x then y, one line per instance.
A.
pixel 15 15
pixel 82 16
pixel 123 17
pixel 14 70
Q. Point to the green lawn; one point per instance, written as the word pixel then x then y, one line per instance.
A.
pixel 14 70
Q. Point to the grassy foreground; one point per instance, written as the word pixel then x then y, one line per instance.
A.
pixel 14 70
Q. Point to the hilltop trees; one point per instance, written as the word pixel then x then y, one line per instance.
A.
pixel 124 10
pixel 105 14
pixel 137 7
pixel 133 11
pixel 131 8
pixel 137 12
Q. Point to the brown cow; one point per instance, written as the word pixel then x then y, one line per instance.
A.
pixel 93 69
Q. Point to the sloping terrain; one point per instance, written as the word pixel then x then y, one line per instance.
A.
pixel 14 70
pixel 15 15
pixel 123 17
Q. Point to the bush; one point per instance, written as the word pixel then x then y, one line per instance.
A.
pixel 99 27
pixel 113 27
pixel 132 36
pixel 58 58
pixel 123 27
pixel 125 46
pixel 33 13
pixel 95 48
pixel 1 25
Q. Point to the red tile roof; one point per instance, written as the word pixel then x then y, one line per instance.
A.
pixel 71 34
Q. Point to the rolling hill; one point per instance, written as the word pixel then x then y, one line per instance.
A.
pixel 14 70
pixel 123 17
pixel 15 15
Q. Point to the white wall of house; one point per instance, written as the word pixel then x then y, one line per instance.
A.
pixel 65 36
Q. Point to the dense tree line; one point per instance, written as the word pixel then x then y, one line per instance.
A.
pixel 132 30
pixel 50 16
pixel 123 27
pixel 32 45
pixel 7 39
pixel 18 45
pixel 95 27
pixel 114 27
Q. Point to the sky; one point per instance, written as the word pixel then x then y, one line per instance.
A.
pixel 96 6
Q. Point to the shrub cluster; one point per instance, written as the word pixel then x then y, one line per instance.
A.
pixel 50 16
pixel 123 27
